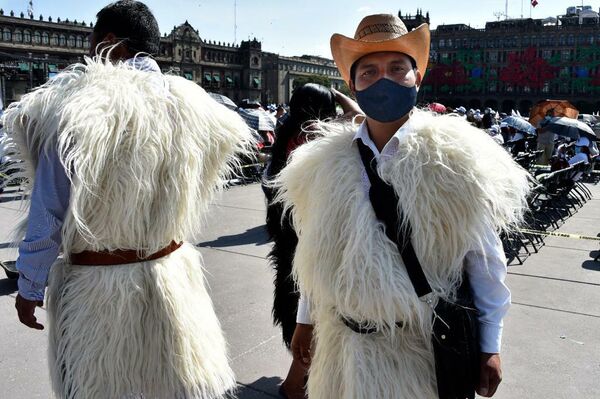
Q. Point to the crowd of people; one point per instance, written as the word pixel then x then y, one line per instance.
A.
pixel 554 150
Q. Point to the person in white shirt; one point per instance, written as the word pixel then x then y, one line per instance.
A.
pixel 582 151
pixel 455 186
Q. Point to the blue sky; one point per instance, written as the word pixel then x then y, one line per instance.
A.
pixel 295 27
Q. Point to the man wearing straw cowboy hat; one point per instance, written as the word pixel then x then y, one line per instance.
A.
pixel 398 260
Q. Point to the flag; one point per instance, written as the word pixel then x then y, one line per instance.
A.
pixel 30 9
pixel 534 3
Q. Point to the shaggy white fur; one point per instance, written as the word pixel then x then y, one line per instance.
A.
pixel 145 162
pixel 146 330
pixel 453 182
pixel 145 153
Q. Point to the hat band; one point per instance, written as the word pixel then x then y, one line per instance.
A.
pixel 381 28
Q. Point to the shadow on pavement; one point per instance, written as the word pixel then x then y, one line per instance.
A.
pixel 256 235
pixel 592 264
pixel 11 198
pixel 8 286
pixel 264 387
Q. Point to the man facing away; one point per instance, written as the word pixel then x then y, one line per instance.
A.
pixel 123 161
pixel 456 187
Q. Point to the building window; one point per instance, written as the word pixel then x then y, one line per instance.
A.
pixel 37 37
pixel 492 87
pixel 547 54
pixel 546 88
pixel 256 82
pixel 62 41
pixel 86 42
pixel 216 79
pixel 71 41
pixel 563 40
pixel 442 43
pixel 54 40
pixel 449 42
pixel 571 40
pixel 79 42
pixel 493 56
pixel 254 61
pixel 6 35
pixel 27 36
pixel 45 38
pixel 565 55
pixel 18 36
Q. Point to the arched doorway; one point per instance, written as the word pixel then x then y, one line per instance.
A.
pixel 508 106
pixel 493 104
pixel 525 107
pixel 475 104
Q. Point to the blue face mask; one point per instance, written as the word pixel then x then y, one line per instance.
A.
pixel 387 101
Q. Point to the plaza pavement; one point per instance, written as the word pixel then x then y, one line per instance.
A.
pixel 551 336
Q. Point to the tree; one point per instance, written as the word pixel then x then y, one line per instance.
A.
pixel 302 80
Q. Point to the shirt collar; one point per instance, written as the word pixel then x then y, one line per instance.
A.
pixel 143 63
pixel 391 146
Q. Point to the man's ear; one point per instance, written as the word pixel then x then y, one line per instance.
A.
pixel 110 38
pixel 419 79
pixel 352 87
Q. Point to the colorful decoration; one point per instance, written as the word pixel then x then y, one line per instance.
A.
pixel 527 70
pixel 467 71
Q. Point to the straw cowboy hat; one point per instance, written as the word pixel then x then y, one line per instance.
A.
pixel 381 32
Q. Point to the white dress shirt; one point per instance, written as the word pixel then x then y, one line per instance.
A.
pixel 485 267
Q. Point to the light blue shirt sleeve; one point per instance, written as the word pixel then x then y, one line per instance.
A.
pixel 41 246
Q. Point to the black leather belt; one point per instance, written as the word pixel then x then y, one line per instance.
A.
pixel 361 328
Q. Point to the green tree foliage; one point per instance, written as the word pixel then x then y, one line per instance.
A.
pixel 302 80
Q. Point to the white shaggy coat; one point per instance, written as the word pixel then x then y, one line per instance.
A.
pixel 141 331
pixel 453 182
pixel 145 153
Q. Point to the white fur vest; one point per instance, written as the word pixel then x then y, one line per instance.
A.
pixel 145 152
pixel 454 182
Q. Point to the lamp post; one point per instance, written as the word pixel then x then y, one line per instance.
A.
pixel 30 71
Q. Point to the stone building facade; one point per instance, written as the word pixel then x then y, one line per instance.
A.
pixel 280 73
pixel 512 64
pixel 34 49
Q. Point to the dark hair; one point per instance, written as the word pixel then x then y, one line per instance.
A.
pixel 131 21
pixel 355 65
pixel 309 102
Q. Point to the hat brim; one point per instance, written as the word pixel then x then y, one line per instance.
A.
pixel 346 51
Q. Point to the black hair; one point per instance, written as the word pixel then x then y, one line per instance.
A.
pixel 131 21
pixel 355 65
pixel 309 102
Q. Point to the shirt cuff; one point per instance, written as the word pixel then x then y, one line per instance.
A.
pixel 490 338
pixel 29 289
pixel 303 315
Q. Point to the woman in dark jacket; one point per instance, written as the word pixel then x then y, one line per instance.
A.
pixel 309 103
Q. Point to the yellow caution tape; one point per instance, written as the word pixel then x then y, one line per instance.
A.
pixel 556 234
